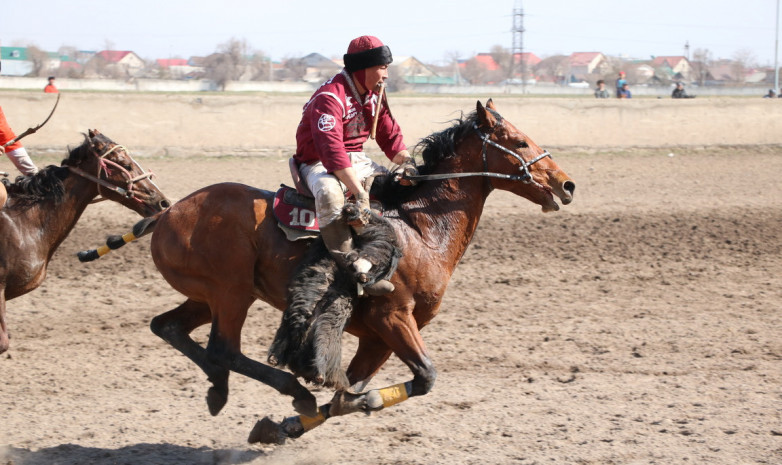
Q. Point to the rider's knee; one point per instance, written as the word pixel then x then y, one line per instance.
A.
pixel 328 204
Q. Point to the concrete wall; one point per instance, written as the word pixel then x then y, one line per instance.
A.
pixel 151 85
pixel 539 89
pixel 230 123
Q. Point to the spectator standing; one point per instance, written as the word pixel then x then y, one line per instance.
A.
pixel 601 91
pixel 770 94
pixel 50 87
pixel 620 81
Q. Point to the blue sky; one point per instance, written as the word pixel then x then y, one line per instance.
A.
pixel 428 30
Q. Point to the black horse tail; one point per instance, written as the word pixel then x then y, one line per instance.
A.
pixel 140 229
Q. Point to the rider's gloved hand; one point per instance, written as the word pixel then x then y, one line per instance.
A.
pixel 407 169
pixel 362 198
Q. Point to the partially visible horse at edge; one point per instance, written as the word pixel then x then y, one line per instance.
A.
pixel 43 209
pixel 221 247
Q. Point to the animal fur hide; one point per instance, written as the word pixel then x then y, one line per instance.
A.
pixel 321 299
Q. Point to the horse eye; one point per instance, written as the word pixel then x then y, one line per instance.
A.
pixel 125 163
pixel 522 144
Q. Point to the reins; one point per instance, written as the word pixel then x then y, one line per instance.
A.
pixel 102 166
pixel 525 177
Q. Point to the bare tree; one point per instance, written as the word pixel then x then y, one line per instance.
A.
pixel 701 61
pixel 452 57
pixel 227 64
pixel 295 69
pixel 743 60
pixel 68 51
pixel 475 72
pixel 98 66
pixel 554 68
pixel 504 60
pixel 38 58
pixel 260 67
pixel 69 64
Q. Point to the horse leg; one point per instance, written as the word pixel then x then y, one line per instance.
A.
pixel 398 332
pixel 370 356
pixel 406 343
pixel 224 349
pixel 175 327
pixel 5 343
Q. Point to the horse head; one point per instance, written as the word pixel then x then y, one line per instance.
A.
pixel 517 164
pixel 117 175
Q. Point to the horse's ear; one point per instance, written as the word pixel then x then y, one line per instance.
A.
pixel 485 118
pixel 490 105
pixel 91 133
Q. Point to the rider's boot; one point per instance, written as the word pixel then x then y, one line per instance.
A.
pixel 339 242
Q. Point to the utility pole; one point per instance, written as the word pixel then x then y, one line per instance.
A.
pixel 518 44
pixel 687 50
pixel 776 56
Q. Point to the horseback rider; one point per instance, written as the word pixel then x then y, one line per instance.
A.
pixel 15 152
pixel 335 123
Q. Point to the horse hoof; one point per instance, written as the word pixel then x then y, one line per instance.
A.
pixel 307 407
pixel 344 403
pixel 267 432
pixel 216 400
pixel 5 342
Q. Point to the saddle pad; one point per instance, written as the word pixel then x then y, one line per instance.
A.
pixel 294 210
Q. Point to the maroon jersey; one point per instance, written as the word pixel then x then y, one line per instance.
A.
pixel 335 121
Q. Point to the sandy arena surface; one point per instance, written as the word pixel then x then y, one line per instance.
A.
pixel 639 325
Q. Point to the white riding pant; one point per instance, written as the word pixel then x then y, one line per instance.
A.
pixel 329 191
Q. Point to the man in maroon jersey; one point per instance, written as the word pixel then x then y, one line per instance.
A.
pixel 335 123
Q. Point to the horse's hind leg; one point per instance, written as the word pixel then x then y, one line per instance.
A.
pixel 175 327
pixel 5 343
pixel 224 348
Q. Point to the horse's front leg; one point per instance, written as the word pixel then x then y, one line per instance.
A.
pixel 399 333
pixel 5 341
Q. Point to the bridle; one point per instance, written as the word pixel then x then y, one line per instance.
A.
pixel 525 176
pixel 104 164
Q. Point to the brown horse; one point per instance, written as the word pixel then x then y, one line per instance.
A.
pixel 43 209
pixel 221 247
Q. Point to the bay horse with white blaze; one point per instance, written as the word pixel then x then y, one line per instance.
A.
pixel 221 247
pixel 43 209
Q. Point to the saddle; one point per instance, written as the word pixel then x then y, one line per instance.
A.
pixel 294 207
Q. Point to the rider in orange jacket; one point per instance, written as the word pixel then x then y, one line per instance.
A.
pixel 15 152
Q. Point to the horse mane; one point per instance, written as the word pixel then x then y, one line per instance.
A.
pixel 434 148
pixel 46 184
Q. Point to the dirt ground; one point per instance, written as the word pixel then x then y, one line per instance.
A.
pixel 639 325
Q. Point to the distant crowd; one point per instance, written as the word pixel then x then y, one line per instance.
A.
pixel 622 90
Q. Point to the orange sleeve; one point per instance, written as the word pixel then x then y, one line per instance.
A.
pixel 6 133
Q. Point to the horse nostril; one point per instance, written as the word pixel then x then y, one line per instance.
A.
pixel 569 186
pixel 164 204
